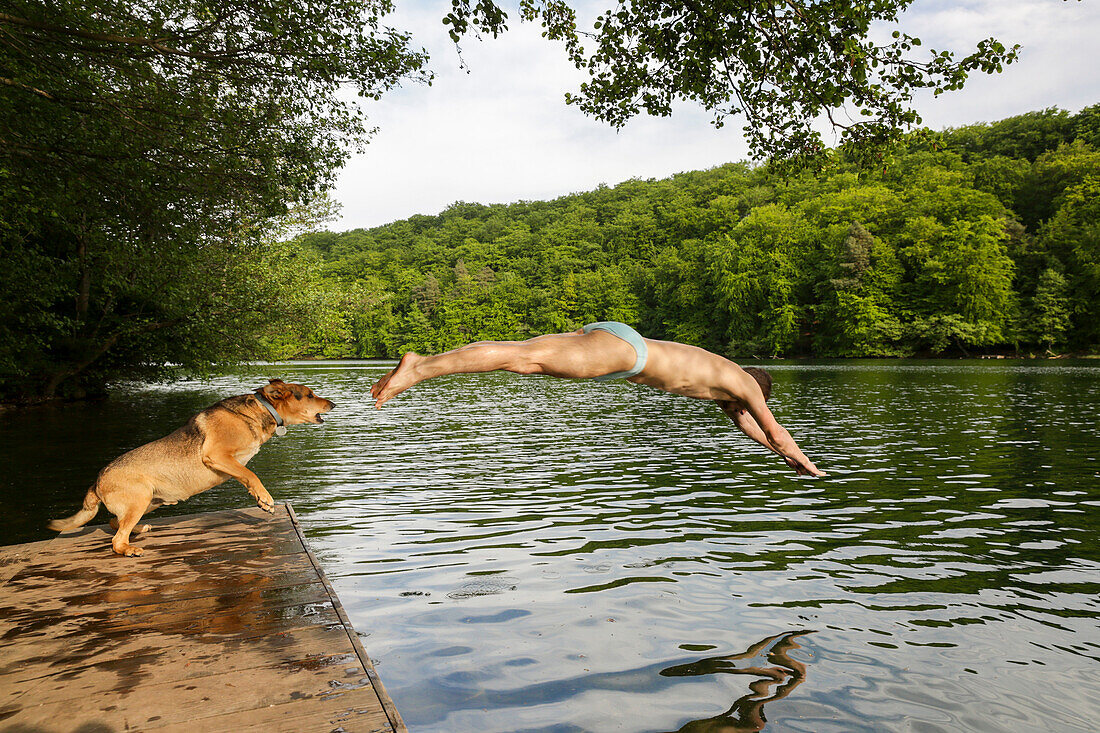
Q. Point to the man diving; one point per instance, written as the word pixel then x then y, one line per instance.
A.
pixel 612 350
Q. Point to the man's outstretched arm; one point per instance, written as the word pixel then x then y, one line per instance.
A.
pixel 777 439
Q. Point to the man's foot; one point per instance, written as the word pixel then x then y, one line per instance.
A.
pixel 397 381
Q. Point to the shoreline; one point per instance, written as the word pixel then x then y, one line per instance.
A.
pixel 106 393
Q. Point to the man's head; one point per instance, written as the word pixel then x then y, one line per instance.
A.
pixel 762 378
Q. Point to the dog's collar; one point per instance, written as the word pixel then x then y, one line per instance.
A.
pixel 280 429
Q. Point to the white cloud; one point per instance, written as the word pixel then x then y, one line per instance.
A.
pixel 1057 66
pixel 503 133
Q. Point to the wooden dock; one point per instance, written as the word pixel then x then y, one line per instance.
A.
pixel 226 623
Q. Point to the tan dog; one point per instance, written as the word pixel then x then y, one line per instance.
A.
pixel 211 448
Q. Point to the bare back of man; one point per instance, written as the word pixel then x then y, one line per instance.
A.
pixel 669 366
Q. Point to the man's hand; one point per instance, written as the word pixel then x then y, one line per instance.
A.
pixel 781 442
pixel 804 468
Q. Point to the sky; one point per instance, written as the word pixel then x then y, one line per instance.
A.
pixel 499 130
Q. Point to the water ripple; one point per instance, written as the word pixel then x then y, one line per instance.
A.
pixel 531 554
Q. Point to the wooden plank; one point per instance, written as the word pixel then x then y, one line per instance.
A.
pixel 226 520
pixel 227 623
pixel 88 639
pixel 181 538
pixel 289 649
pixel 187 700
pixel 58 656
pixel 383 696
pixel 37 589
pixel 15 557
pixel 299 717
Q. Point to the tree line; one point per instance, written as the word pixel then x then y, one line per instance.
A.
pixel 153 154
pixel 978 239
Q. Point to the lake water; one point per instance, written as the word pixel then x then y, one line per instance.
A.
pixel 531 554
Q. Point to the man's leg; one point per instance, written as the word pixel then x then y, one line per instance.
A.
pixel 568 355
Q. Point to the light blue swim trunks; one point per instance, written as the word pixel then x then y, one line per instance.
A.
pixel 629 335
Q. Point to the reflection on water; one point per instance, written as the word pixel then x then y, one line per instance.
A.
pixel 778 675
pixel 530 554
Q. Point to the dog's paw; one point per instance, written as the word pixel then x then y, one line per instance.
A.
pixel 266 503
pixel 129 551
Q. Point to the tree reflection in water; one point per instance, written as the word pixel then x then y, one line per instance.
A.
pixel 779 675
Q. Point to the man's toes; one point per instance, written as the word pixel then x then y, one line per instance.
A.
pixel 381 384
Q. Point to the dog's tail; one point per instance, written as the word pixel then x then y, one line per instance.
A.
pixel 85 515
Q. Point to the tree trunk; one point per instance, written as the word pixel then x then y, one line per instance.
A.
pixel 83 295
pixel 55 380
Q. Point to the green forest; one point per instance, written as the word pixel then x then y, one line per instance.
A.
pixel 158 157
pixel 981 239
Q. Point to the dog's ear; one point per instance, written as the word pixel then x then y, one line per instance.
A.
pixel 276 390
